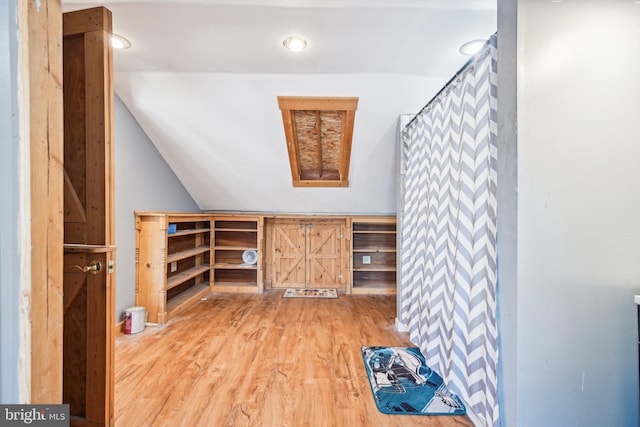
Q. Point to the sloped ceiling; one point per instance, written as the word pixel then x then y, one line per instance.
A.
pixel 203 77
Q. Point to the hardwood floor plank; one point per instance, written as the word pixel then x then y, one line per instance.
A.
pixel 260 360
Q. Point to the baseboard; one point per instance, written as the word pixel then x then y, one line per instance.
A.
pixel 401 327
pixel 118 329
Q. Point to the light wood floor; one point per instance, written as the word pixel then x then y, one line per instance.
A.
pixel 260 360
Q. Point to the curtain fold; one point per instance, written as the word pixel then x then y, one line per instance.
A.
pixel 448 251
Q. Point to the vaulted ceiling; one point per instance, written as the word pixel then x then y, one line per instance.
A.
pixel 203 79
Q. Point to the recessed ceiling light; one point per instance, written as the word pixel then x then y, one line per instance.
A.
pixel 294 43
pixel 472 47
pixel 119 42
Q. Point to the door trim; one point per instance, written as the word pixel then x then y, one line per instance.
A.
pixel 40 73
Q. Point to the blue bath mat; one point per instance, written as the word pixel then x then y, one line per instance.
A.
pixel 403 384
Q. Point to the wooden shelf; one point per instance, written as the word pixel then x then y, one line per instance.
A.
pixel 235 248
pixel 373 290
pixel 223 265
pixel 187 298
pixel 374 250
pixel 374 269
pixel 373 255
pixel 231 237
pixel 374 232
pixel 236 224
pixel 235 287
pixel 187 253
pixel 188 232
pixel 183 276
pixel 235 284
pixel 374 225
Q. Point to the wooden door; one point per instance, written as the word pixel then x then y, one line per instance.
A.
pixel 288 255
pixel 89 293
pixel 307 254
pixel 323 256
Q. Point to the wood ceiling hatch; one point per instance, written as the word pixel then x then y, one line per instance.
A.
pixel 319 132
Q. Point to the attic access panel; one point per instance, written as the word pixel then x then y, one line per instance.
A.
pixel 319 131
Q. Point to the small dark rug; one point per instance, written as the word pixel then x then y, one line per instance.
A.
pixel 310 293
pixel 403 384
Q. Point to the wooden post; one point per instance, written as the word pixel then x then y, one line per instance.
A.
pixel 41 75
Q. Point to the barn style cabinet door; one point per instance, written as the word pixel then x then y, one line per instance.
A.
pixel 307 253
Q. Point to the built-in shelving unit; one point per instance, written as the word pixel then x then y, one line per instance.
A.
pixel 373 255
pixel 173 262
pixel 181 257
pixel 233 236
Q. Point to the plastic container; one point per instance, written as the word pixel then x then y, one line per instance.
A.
pixel 135 319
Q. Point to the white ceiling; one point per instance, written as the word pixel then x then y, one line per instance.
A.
pixel 202 79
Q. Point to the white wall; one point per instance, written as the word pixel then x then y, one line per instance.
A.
pixel 507 213
pixel 10 254
pixel 578 213
pixel 143 182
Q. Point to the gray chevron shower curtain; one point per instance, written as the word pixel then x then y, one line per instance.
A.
pixel 448 234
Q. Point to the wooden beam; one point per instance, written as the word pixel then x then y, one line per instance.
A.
pixel 292 148
pixel 317 103
pixel 86 21
pixel 347 137
pixel 41 73
pixel 321 183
